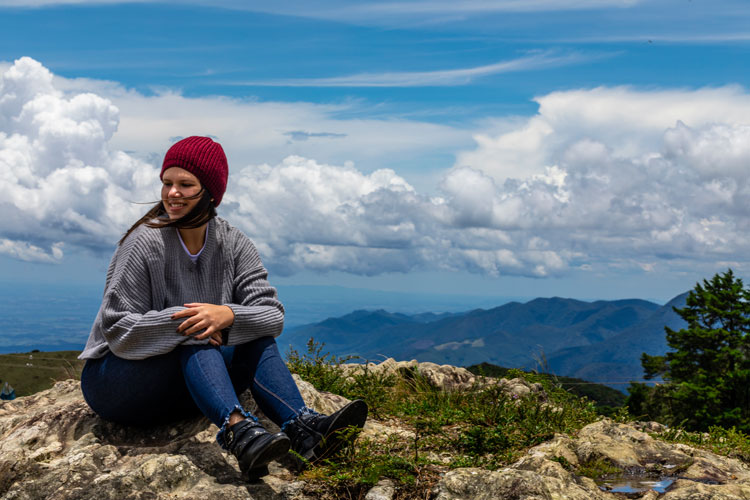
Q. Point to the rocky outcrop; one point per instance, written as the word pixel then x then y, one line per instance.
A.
pixel 551 471
pixel 446 377
pixel 52 446
pixel 443 376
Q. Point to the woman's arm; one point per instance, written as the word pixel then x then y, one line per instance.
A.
pixel 257 310
pixel 128 321
pixel 132 334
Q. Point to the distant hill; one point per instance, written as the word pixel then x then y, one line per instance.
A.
pixel 515 334
pixel 618 359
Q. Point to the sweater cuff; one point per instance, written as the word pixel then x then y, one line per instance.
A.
pixel 253 322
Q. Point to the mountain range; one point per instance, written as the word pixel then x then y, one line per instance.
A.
pixel 599 341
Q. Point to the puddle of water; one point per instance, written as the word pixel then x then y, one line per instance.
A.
pixel 641 484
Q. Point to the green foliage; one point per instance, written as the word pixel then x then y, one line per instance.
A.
pixel 650 403
pixel 319 368
pixel 708 370
pixel 370 387
pixel 323 370
pixel 598 468
pixel 728 442
pixel 562 461
pixel 481 426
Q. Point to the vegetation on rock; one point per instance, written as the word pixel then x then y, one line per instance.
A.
pixel 483 426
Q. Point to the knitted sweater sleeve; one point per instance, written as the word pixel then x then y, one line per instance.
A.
pixel 257 310
pixel 132 328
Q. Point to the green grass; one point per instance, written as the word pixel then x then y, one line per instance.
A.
pixel 726 442
pixel 28 375
pixel 477 427
pixel 597 469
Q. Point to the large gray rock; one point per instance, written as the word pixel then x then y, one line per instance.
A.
pixel 52 446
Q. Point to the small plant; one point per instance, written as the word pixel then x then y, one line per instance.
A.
pixel 598 468
pixel 372 387
pixel 323 370
pixel 563 461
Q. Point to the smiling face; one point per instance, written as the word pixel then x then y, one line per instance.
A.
pixel 180 191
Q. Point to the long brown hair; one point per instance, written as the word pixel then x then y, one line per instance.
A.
pixel 202 212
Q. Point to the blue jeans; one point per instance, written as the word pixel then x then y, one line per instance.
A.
pixel 192 379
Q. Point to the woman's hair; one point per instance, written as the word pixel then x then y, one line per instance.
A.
pixel 202 212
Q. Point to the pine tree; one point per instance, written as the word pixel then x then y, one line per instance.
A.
pixel 707 372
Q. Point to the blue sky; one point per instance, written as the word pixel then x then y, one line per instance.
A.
pixel 590 149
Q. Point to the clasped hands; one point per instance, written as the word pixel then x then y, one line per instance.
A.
pixel 208 319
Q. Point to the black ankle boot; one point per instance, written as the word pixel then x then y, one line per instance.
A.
pixel 314 437
pixel 254 447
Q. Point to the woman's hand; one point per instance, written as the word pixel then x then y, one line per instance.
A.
pixel 208 319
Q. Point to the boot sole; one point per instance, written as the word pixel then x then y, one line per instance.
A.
pixel 353 415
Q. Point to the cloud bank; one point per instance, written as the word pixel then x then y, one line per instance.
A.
pixel 598 178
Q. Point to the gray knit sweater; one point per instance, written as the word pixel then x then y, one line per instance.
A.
pixel 151 276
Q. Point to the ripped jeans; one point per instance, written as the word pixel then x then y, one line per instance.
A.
pixel 193 379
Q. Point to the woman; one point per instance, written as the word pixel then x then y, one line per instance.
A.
pixel 188 321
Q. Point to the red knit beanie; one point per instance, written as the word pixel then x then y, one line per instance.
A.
pixel 203 158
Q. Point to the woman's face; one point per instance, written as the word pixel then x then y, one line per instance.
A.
pixel 179 191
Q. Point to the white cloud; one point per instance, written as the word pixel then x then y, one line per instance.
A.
pixel 629 122
pixel 254 132
pixel 436 78
pixel 618 174
pixel 606 177
pixel 60 180
pixel 25 251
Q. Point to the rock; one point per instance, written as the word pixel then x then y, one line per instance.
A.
pixel 52 446
pixel 513 484
pixel 519 388
pixel 384 490
pixel 549 470
pixel 378 431
pixel 624 446
pixel 445 377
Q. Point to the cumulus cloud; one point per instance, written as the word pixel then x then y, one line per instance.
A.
pixel 617 174
pixel 313 216
pixel 613 177
pixel 60 181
